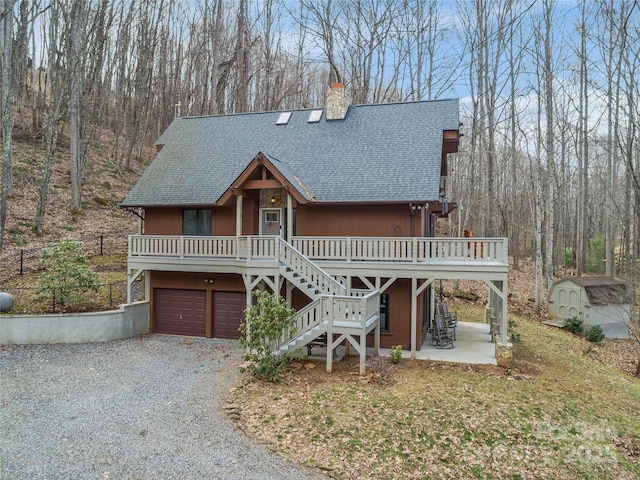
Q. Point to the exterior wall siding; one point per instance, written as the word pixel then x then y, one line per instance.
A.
pixel 163 221
pixel 224 221
pixel 357 221
pixel 371 220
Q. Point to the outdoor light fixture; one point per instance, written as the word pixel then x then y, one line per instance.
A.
pixel 208 281
pixel 273 199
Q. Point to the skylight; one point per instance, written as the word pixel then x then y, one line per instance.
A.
pixel 315 116
pixel 283 119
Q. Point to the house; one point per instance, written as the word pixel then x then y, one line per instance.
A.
pixel 333 208
pixel 602 301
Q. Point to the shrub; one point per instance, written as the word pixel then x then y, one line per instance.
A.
pixel 573 324
pixel 265 323
pixel 594 334
pixel 515 336
pixel 67 277
pixel 396 353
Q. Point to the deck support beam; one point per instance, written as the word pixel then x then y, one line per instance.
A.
pixel 414 314
pixel 498 295
pixel 132 278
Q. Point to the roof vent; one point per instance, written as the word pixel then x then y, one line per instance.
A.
pixel 283 119
pixel 315 116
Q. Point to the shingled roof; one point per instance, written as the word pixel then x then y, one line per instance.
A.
pixel 377 153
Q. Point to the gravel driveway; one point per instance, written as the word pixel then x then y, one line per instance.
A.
pixel 143 408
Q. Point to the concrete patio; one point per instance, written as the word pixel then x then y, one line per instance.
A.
pixel 472 345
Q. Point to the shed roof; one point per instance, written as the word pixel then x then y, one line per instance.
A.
pixel 601 290
pixel 377 153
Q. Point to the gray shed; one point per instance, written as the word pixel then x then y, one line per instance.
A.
pixel 600 301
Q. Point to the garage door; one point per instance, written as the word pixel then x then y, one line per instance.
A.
pixel 228 313
pixel 180 312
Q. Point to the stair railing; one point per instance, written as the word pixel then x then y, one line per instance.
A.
pixel 307 318
pixel 308 270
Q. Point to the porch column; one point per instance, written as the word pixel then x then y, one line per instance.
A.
pixel 432 304
pixel 414 314
pixel 289 217
pixel 147 286
pixel 504 323
pixel 238 215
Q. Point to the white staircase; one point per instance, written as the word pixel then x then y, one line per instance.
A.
pixel 332 312
pixel 305 274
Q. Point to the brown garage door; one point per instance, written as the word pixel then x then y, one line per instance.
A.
pixel 180 312
pixel 228 313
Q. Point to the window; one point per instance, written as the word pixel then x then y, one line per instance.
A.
pixel 271 217
pixel 384 312
pixel 196 222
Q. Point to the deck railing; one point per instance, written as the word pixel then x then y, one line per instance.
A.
pixel 307 318
pixel 403 249
pixel 349 249
pixel 353 312
pixel 336 311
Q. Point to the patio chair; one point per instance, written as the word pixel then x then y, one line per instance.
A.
pixel 450 318
pixel 440 336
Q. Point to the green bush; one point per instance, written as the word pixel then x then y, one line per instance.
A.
pixel 594 334
pixel 265 323
pixel 513 335
pixel 396 353
pixel 573 324
pixel 67 278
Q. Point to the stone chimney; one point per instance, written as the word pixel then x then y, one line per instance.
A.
pixel 336 102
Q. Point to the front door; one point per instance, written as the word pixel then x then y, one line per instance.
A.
pixel 270 221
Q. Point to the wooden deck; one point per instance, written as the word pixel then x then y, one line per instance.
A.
pixel 329 263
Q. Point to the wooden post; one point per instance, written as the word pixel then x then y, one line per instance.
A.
pixel 414 314
pixel 289 217
pixel 238 215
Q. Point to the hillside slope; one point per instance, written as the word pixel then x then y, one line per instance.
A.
pixel 104 187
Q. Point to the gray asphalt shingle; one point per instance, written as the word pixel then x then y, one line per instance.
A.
pixel 385 152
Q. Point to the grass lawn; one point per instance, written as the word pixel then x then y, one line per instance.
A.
pixel 557 414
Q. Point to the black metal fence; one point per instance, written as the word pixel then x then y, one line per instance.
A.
pixel 107 297
pixel 27 261
pixel 18 263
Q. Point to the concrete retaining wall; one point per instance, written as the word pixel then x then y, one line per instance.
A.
pixel 128 321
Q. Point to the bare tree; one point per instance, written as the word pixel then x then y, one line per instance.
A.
pixel 55 84
pixel 6 33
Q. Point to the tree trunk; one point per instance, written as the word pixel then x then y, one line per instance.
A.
pixel 549 144
pixel 74 106
pixel 6 29
pixel 582 241
pixel 53 118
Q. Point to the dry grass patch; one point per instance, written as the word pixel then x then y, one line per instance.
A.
pixel 556 414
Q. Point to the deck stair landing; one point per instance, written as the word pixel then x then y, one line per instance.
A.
pixel 332 312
